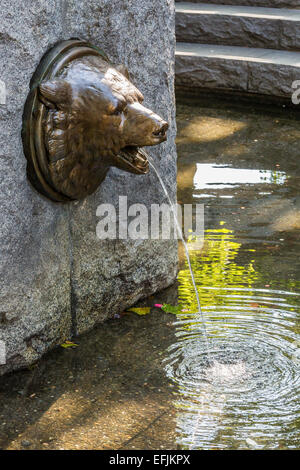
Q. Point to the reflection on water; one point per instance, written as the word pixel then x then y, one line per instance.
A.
pixel 200 129
pixel 253 385
pixel 247 274
pixel 219 177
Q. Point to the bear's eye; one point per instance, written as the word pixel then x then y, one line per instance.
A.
pixel 119 108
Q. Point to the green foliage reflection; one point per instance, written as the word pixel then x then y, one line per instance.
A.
pixel 216 267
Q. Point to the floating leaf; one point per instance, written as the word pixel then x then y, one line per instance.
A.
pixel 140 311
pixel 175 309
pixel 68 344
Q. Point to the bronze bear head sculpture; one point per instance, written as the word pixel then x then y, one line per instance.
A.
pixel 82 116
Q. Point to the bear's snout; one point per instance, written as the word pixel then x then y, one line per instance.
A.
pixel 162 127
pixel 143 127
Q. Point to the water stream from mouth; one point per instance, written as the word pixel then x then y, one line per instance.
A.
pixel 174 210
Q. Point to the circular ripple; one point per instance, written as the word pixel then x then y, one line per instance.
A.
pixel 245 391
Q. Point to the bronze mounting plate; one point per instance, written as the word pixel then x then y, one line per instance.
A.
pixel 34 111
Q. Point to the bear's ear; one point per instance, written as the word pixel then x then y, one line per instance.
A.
pixel 55 93
pixel 123 70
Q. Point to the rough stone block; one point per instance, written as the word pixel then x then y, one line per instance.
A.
pixel 228 30
pixel 272 79
pixel 207 72
pixel 56 276
pixel 290 36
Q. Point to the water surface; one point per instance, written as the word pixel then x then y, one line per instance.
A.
pixel 243 165
pixel 145 382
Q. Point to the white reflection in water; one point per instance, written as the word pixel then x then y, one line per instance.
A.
pixel 218 177
pixel 221 374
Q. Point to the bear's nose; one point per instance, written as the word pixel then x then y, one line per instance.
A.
pixel 162 129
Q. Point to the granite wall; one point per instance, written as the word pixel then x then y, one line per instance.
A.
pixel 251 3
pixel 57 278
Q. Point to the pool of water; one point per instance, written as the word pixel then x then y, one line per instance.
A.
pixel 244 167
pixel 146 382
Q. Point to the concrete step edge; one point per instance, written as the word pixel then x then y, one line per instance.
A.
pixel 246 70
pixel 288 4
pixel 248 54
pixel 238 11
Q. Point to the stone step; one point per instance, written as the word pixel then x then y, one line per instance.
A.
pixel 252 3
pixel 250 70
pixel 268 28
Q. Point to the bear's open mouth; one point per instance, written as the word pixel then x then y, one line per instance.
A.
pixel 133 159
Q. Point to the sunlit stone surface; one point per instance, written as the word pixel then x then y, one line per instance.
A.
pixel 57 278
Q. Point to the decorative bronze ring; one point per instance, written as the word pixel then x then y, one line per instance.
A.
pixel 35 110
pixel 82 116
